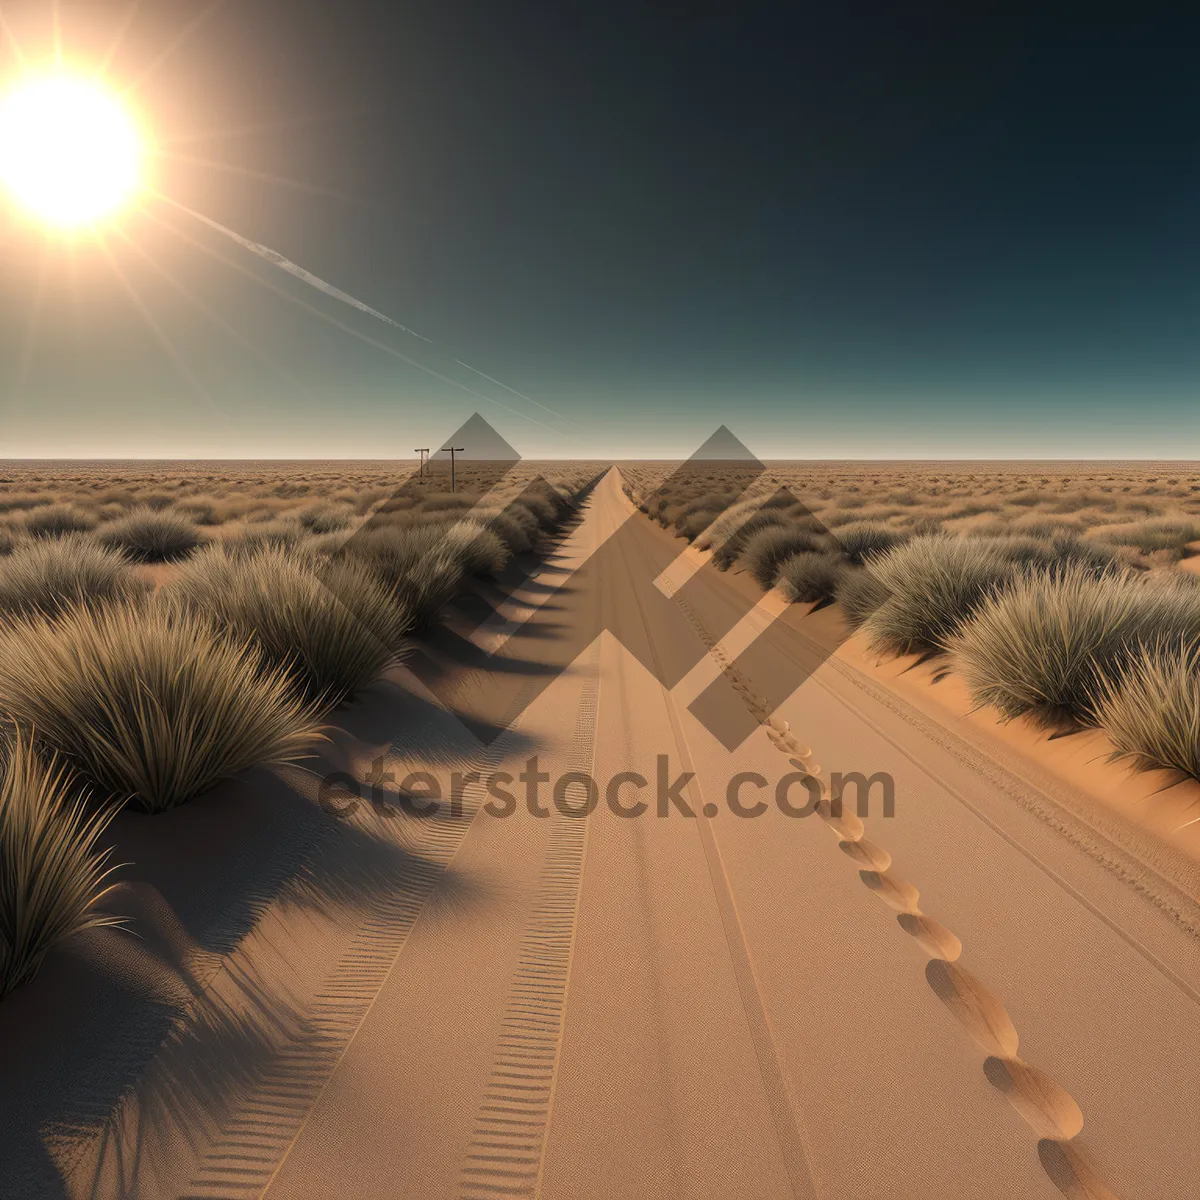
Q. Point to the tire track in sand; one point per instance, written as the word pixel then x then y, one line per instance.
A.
pixel 1049 1110
pixel 507 1150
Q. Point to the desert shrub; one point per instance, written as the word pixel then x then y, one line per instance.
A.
pixel 444 502
pixel 319 519
pixel 121 497
pixel 725 525
pixel 51 874
pixel 1098 557
pixel 861 539
pixel 416 565
pixel 1026 499
pixel 922 526
pixel 1044 645
pixel 811 576
pixel 149 701
pixel 1151 710
pixel 860 591
pixel 934 584
pixel 47 577
pixel 709 502
pixel 478 549
pixel 101 513
pixel 727 552
pixel 1157 535
pixel 691 524
pixel 1048 527
pixel 155 500
pixel 331 624
pixel 22 501
pixel 274 533
pixel 763 552
pixel 197 512
pixel 545 508
pixel 517 535
pixel 1061 552
pixel 668 514
pixel 834 518
pixel 148 536
pixel 57 520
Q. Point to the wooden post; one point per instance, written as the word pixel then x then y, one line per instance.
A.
pixel 453 450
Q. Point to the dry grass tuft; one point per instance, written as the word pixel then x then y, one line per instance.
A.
pixel 812 576
pixel 47 577
pixel 148 701
pixel 51 874
pixel 1151 711
pixel 416 564
pixel 934 585
pixel 57 520
pixel 1044 646
pixel 145 535
pixel 764 553
pixel 329 623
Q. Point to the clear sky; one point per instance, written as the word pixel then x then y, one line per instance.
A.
pixel 851 230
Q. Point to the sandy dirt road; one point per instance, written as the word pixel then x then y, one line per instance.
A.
pixel 707 1005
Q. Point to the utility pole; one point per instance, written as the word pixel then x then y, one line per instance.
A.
pixel 423 451
pixel 453 450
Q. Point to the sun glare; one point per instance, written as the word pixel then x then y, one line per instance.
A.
pixel 70 153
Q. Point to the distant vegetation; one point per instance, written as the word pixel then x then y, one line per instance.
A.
pixel 159 634
pixel 1057 598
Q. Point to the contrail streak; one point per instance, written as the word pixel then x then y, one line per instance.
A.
pixel 286 264
pixel 477 371
pixel 324 316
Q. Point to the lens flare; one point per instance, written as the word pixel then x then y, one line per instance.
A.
pixel 70 153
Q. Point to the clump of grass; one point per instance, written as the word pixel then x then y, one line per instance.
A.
pixel 723 526
pixel 766 550
pixel 145 535
pixel 811 576
pixel 415 563
pixel 155 500
pixel 148 701
pixel 271 533
pixel 321 519
pixel 1044 645
pixel 515 527
pixel 197 511
pixel 863 538
pixel 728 551
pixel 47 577
pixel 692 524
pixel 57 520
pixel 934 584
pixel 1150 536
pixel 860 591
pixel 1151 710
pixel 444 502
pixel 330 623
pixel 51 873
pixel 543 503
pixel 22 501
pixel 478 549
pixel 698 514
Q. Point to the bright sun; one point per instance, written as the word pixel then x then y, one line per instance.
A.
pixel 69 152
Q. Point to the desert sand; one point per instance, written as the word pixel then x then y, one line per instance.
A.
pixel 983 995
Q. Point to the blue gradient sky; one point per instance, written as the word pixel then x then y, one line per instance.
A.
pixel 856 233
